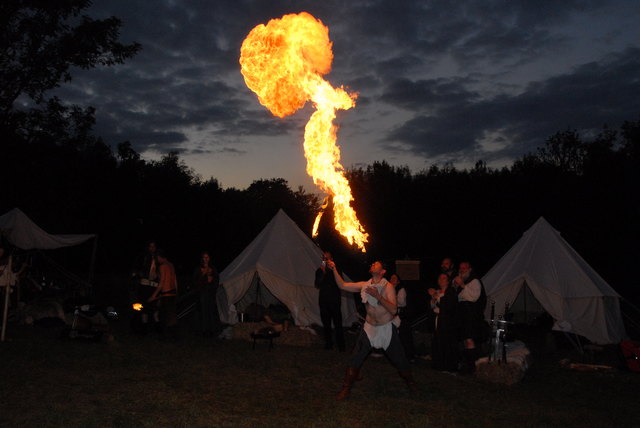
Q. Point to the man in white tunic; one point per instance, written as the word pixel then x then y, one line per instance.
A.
pixel 379 297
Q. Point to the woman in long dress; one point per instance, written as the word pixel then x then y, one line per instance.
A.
pixel 444 302
pixel 206 282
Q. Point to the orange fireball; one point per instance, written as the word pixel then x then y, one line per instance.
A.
pixel 283 63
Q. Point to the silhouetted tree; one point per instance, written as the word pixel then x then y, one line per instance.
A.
pixel 631 140
pixel 564 150
pixel 40 41
pixel 51 157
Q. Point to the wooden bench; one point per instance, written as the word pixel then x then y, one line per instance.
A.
pixel 269 336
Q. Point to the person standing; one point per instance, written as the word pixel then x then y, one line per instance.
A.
pixel 404 330
pixel 329 300
pixel 444 348
pixel 147 273
pixel 166 293
pixel 448 267
pixel 206 282
pixel 378 331
pixel 472 300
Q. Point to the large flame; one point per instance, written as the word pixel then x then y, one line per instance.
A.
pixel 283 63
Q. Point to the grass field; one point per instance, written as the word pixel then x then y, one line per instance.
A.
pixel 199 382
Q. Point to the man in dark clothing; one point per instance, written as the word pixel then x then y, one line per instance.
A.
pixel 444 347
pixel 447 267
pixel 329 302
pixel 472 300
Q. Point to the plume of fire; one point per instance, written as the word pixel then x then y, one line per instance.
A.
pixel 137 306
pixel 316 223
pixel 283 63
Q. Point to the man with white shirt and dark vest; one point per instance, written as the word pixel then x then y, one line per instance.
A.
pixel 472 300
pixel 379 297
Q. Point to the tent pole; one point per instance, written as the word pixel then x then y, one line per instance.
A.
pixel 575 341
pixel 630 304
pixel 526 288
pixel 92 265
pixel 258 296
pixel 7 289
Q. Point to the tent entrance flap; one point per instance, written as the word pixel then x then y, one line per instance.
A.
pixel 257 294
pixel 526 307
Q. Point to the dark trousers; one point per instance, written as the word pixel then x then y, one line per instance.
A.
pixel 444 350
pixel 168 313
pixel 330 313
pixel 406 336
pixel 471 322
pixel 208 311
pixel 395 351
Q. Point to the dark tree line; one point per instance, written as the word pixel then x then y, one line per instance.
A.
pixel 586 188
pixel 69 181
pixel 128 200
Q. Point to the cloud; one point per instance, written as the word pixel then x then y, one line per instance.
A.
pixel 158 141
pixel 593 94
pixel 471 32
pixel 436 80
pixel 427 94
pixel 232 151
pixel 223 150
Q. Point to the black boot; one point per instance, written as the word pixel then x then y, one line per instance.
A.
pixel 468 361
pixel 408 378
pixel 328 339
pixel 349 378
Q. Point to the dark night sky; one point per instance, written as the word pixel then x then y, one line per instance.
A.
pixel 439 81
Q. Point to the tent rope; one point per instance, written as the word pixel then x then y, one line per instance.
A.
pixel 631 305
pixel 64 271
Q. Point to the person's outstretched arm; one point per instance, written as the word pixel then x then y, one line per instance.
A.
pixel 353 287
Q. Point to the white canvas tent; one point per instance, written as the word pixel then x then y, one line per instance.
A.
pixel 26 235
pixel 544 266
pixel 280 263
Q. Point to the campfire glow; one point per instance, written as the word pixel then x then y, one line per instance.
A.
pixel 283 63
pixel 137 306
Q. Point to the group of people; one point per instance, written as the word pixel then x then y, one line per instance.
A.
pixel 457 306
pixel 156 289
